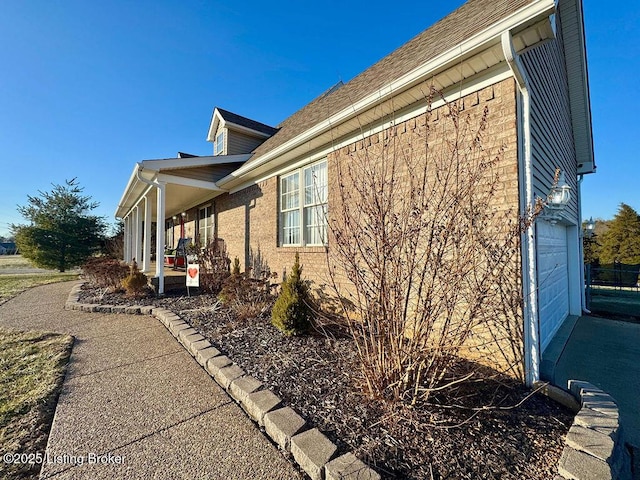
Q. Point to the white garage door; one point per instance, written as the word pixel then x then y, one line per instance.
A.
pixel 553 279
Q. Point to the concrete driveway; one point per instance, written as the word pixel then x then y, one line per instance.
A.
pixel 606 353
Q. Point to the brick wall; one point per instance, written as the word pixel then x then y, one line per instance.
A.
pixel 248 220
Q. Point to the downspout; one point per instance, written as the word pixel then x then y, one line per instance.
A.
pixel 585 308
pixel 530 277
pixel 159 228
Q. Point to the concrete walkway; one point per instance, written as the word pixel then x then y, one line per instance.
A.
pixel 138 404
pixel 606 353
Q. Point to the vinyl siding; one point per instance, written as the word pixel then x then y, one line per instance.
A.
pixel 239 143
pixel 552 141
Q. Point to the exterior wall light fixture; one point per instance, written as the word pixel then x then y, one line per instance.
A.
pixel 557 200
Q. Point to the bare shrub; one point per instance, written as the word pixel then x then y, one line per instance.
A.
pixel 214 266
pixel 246 296
pixel 424 251
pixel 105 272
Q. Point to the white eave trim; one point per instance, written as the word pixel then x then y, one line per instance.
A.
pixel 187 182
pixel 491 34
pixel 218 121
pixel 194 162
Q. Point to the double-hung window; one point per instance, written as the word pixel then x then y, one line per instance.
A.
pixel 205 225
pixel 218 147
pixel 303 206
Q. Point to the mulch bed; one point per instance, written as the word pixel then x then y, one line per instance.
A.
pixel 521 436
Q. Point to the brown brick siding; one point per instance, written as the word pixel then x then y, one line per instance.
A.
pixel 248 220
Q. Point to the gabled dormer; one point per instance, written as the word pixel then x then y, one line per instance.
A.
pixel 233 134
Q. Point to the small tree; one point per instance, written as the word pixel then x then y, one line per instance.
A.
pixel 61 233
pixel 291 313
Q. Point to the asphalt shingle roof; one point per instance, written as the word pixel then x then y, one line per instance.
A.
pixel 468 20
pixel 246 122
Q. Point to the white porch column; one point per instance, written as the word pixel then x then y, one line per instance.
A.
pixel 146 254
pixel 124 239
pixel 127 238
pixel 160 216
pixel 137 248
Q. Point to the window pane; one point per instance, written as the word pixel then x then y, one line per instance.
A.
pixel 316 225
pixel 291 227
pixel 219 143
pixel 315 184
pixel 290 187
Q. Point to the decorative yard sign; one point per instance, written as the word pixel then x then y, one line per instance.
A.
pixel 193 276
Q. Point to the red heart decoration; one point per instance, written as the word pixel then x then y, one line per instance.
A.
pixel 193 272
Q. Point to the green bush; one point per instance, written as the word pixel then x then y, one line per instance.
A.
pixel 291 313
pixel 135 284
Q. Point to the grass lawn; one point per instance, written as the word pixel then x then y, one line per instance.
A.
pixel 32 366
pixel 12 281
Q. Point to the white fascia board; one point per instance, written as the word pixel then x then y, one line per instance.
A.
pixel 193 162
pixel 187 182
pixel 216 118
pixel 590 166
pixel 526 14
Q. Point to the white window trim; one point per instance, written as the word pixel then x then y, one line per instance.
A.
pixel 300 208
pixel 209 227
pixel 218 147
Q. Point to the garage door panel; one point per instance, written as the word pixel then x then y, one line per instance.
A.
pixel 553 279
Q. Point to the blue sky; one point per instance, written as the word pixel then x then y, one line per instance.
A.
pixel 89 88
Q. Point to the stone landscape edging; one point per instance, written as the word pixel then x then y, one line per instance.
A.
pixel 594 446
pixel 310 449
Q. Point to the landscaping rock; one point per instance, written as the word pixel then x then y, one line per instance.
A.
pixel 197 346
pixel 589 441
pixel 132 310
pixel 598 421
pixel 241 387
pixel 349 467
pixel 257 404
pixel 282 424
pixel 184 333
pixel 226 375
pixel 312 450
pixel 176 326
pixel 216 363
pixel 203 356
pixel 579 465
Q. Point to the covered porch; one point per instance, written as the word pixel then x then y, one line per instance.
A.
pixel 160 189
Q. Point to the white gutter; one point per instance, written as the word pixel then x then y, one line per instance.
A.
pixel 530 279
pixel 478 41
pixel 127 191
